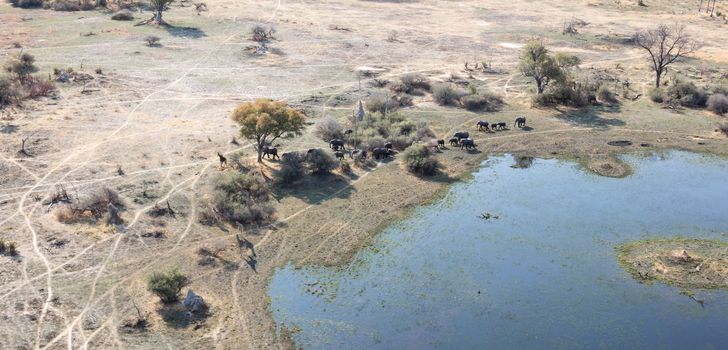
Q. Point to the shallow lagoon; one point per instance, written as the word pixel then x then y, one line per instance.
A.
pixel 541 275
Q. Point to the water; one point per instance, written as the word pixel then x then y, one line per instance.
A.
pixel 542 275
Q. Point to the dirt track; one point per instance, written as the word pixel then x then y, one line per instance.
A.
pixel 162 114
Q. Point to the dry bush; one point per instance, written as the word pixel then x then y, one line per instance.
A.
pixel 101 203
pixel 381 104
pixel 376 130
pixel 447 94
pixel 39 87
pixel 329 128
pixel 8 248
pixel 241 198
pixel 123 15
pixel 657 95
pixel 411 83
pixel 606 95
pixel 564 94
pixel 484 102
pixel 262 34
pixel 9 92
pixel 718 104
pixel 723 127
pixel 64 6
pixel 152 40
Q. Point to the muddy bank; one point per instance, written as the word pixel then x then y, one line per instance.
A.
pixel 687 263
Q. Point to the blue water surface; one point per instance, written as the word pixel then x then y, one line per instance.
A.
pixel 542 275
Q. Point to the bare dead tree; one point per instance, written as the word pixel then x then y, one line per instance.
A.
pixel 665 46
pixel 701 5
pixel 25 139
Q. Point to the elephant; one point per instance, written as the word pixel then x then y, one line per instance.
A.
pixel 388 145
pixel 467 143
pixel 380 152
pixel 483 125
pixel 453 141
pixel 502 125
pixel 440 143
pixel 270 151
pixel 335 144
pixel 520 122
pixel 462 135
pixel 339 155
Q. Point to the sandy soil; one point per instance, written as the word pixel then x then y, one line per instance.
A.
pixel 688 263
pixel 161 114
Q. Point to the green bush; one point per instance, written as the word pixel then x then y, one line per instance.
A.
pixel 418 159
pixel 241 198
pixel 657 95
pixel 9 92
pixel 446 94
pixel 686 94
pixel 167 285
pixel 483 102
pixel 292 168
pixel 718 104
pixel 563 94
pixel 22 66
pixel 320 162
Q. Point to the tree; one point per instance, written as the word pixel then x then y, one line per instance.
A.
pixel 158 6
pixel 665 46
pixel 167 285
pixel 536 63
pixel 265 120
pixel 23 66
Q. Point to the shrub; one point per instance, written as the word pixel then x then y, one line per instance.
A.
pixel 320 162
pixel 723 127
pixel 167 285
pixel 381 104
pixel 718 104
pixel 241 198
pixel 27 3
pixel 292 168
pixel 563 94
pixel 417 159
pixel 262 34
pixel 38 87
pixel 9 93
pixel 152 40
pixel 411 83
pixel 686 94
pixel 606 95
pixel 65 6
pixel 446 94
pixel 329 128
pixel 94 206
pixel 657 95
pixel 345 166
pixel 22 66
pixel 485 101
pixel 123 15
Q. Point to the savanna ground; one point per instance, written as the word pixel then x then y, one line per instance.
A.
pixel 162 113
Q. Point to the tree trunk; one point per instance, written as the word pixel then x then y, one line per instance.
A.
pixel 158 17
pixel 260 153
pixel 539 86
pixel 658 76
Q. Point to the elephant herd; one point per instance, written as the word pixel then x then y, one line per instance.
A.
pixel 460 139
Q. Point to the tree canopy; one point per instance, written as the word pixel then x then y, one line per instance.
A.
pixel 265 120
pixel 535 62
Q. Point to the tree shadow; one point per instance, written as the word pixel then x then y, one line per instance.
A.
pixel 592 116
pixel 176 316
pixel 185 32
pixel 315 189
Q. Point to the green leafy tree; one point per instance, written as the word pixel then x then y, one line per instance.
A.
pixel 265 120
pixel 536 63
pixel 167 285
